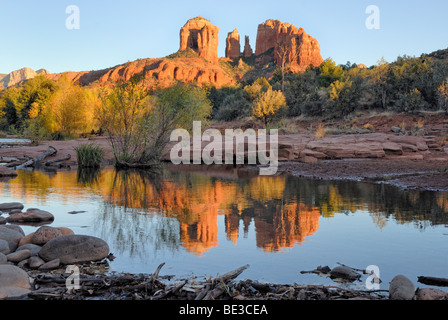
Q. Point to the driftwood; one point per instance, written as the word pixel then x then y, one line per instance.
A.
pixel 433 281
pixel 48 153
pixel 104 286
pixel 56 161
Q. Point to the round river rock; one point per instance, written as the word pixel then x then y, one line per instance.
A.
pixel 74 248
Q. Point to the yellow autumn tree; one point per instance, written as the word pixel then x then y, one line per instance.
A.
pixel 71 109
pixel 268 105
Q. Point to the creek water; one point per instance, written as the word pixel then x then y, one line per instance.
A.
pixel 205 221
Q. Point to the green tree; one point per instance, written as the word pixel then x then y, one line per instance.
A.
pixel 171 108
pixel 379 76
pixel 344 98
pixel 442 91
pixel 120 115
pixel 329 72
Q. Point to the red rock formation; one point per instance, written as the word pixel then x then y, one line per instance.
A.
pixel 289 43
pixel 233 49
pixel 202 36
pixel 161 72
pixel 247 48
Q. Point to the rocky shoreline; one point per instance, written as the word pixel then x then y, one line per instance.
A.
pixel 53 263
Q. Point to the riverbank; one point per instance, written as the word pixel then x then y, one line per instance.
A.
pixel 409 162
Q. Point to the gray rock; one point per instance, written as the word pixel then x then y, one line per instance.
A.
pixel 10 206
pixel 14 282
pixel 14 211
pixel 19 255
pixel 35 262
pixel 71 249
pixel 53 264
pixel 3 259
pixel 4 247
pixel 9 234
pixel 345 273
pixel 401 288
pixel 2 220
pixel 34 248
pixel 16 228
pixel 35 215
pixel 23 263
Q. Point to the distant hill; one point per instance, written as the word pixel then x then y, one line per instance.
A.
pixel 17 76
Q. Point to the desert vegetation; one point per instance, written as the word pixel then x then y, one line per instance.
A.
pixel 138 119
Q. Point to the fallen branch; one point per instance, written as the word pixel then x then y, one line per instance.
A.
pixel 48 153
pixel 55 161
pixel 433 281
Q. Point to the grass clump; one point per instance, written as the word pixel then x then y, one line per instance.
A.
pixel 89 155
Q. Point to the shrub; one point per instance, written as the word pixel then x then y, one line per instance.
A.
pixel 89 155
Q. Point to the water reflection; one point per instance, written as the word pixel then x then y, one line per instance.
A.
pixel 179 208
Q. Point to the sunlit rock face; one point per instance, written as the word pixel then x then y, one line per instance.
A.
pixel 200 35
pixel 289 43
pixel 233 47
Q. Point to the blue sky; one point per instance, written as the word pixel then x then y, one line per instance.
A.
pixel 34 33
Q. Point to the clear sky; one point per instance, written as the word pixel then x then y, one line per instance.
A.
pixel 34 33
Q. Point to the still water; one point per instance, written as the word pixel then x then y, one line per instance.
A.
pixel 205 221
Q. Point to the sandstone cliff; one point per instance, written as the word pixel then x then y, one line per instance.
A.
pixel 200 35
pixel 197 60
pixel 155 72
pixel 248 52
pixel 290 44
pixel 233 48
pixel 16 77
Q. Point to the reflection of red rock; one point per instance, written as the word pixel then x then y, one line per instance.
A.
pixel 302 49
pixel 291 225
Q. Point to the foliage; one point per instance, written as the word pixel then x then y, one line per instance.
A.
pixel 121 117
pixel 89 155
pixel 329 72
pixel 268 105
pixel 139 125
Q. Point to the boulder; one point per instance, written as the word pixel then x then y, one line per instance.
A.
pixel 34 248
pixel 45 234
pixel 401 288
pixel 14 282
pixel 4 247
pixel 7 172
pixel 18 256
pixel 53 264
pixel 26 239
pixel 35 262
pixel 431 294
pixel 65 231
pixel 31 215
pixel 16 228
pixel 71 249
pixel 8 206
pixel 3 259
pixel 9 234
